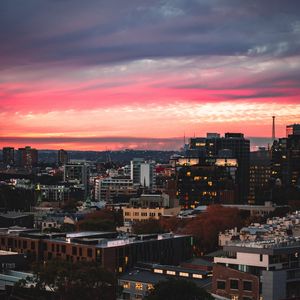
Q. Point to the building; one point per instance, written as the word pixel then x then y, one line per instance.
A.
pixel 133 214
pixel 150 206
pixel 13 218
pixel 62 157
pixel 116 253
pixel 27 157
pixel 293 129
pixel 263 263
pixel 260 175
pixel 202 181
pixel 286 158
pixel 232 145
pixel 135 170
pixel 138 282
pixel 77 173
pixel 8 154
pixel 54 193
pixel 142 173
pixel 110 188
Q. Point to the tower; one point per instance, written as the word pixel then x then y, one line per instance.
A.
pixel 273 129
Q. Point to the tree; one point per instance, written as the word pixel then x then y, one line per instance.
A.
pixel 147 227
pixel 66 280
pixel 102 220
pixel 206 227
pixel 178 289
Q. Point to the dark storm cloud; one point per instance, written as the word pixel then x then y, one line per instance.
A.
pixel 96 32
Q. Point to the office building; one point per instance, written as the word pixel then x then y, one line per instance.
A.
pixel 232 145
pixel 260 175
pixel 293 129
pixel 77 173
pixel 203 181
pixel 142 172
pixel 8 154
pixel 111 188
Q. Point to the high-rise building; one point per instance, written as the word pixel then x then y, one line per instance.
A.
pixel 62 157
pixel 206 181
pixel 8 155
pixel 142 172
pixel 27 157
pixel 231 145
pixel 135 170
pixel 77 173
pixel 293 129
pixel 286 158
pixel 260 174
pixel 147 174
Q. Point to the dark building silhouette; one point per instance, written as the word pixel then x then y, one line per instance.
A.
pixel 62 157
pixel 8 154
pixel 27 157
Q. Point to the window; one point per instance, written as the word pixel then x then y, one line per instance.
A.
pixel 247 298
pixel 247 285
pixel 24 244
pixel 63 249
pixel 144 214
pixel 139 286
pixel 260 257
pixel 74 251
pixel 158 271
pixel 221 284
pixel 57 248
pixel 198 276
pixel 32 246
pixel 80 251
pixel 234 284
pixel 126 285
pixel 89 252
pixel 183 274
pixel 171 272
pixel 150 287
pixel 127 213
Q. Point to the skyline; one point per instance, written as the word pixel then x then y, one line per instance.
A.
pixel 118 75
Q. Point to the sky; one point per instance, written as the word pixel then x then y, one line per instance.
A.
pixel 96 75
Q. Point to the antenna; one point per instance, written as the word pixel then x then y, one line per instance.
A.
pixel 273 129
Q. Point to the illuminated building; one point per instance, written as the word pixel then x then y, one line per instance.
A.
pixel 232 145
pixel 210 181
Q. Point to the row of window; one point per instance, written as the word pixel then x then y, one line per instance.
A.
pixel 182 274
pixel 234 284
pixel 143 214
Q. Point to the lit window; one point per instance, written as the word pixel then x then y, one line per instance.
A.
pixel 199 276
pixel 150 286
pixel 158 271
pixel 126 285
pixel 188 173
pixel 171 272
pixel 139 286
pixel 183 274
pixel 209 183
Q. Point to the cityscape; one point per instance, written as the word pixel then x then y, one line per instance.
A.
pixel 149 150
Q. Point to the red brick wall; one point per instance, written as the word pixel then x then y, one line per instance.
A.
pixel 226 274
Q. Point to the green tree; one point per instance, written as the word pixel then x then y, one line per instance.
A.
pixel 178 289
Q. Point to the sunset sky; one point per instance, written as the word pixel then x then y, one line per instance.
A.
pixel 92 75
